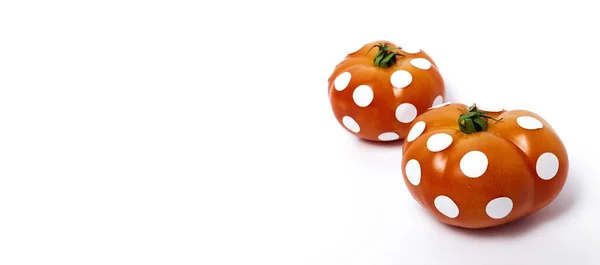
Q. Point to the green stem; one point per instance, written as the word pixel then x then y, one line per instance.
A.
pixel 474 120
pixel 385 57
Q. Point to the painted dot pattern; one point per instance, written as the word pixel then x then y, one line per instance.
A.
pixel 499 208
pixel 547 166
pixel 416 131
pixel 529 123
pixel 421 63
pixel 341 81
pixel 388 136
pixel 350 124
pixel 413 172
pixel 363 95
pixel 439 142
pixel 446 206
pixel 473 164
pixel 401 79
pixel 406 112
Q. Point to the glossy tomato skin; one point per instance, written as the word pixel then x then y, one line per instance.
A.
pixel 376 104
pixel 484 179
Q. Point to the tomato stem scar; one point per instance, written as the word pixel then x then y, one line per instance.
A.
pixel 385 57
pixel 474 120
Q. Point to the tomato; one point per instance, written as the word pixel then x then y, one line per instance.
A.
pixel 377 91
pixel 474 168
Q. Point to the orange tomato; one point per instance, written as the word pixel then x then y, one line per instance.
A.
pixel 471 168
pixel 377 91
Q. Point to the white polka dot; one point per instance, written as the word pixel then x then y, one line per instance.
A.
pixel 499 208
pixel 473 164
pixel 416 131
pixel 529 123
pixel 421 63
pixel 413 171
pixel 437 101
pixel 547 166
pixel 441 105
pixel 363 95
pixel 439 142
pixel 490 108
pixel 342 81
pixel 351 124
pixel 446 206
pixel 401 79
pixel 409 49
pixel 388 136
pixel 406 112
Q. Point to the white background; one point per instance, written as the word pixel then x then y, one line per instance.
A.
pixel 199 132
